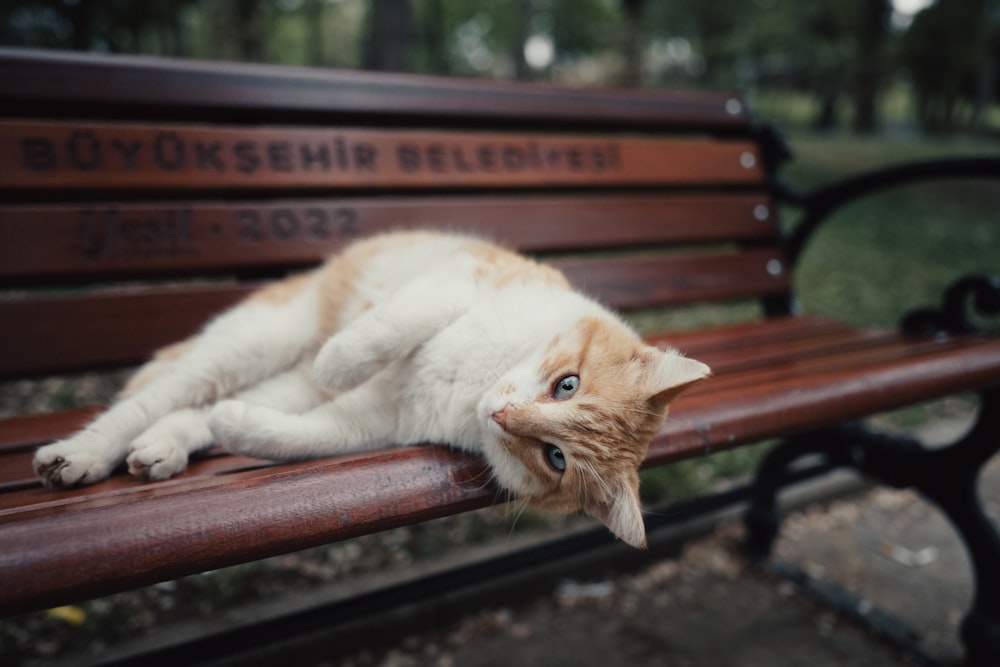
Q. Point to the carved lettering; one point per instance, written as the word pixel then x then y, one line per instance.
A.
pixel 279 155
pixel 347 220
pixel 436 158
pixel 514 158
pixel 168 151
pixel 318 223
pixel 247 159
pixel 128 151
pixel 38 154
pixel 458 158
pixel 112 235
pixel 249 223
pixel 83 150
pixel 340 146
pixel 284 223
pixel 315 154
pixel 486 158
pixel 176 150
pixel 292 224
pixel 409 157
pixel 364 157
pixel 207 155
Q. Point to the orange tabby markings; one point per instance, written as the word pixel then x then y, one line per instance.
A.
pixel 502 268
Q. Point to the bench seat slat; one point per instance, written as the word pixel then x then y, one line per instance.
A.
pixel 109 240
pixel 841 354
pixel 88 155
pixel 260 510
pixel 708 421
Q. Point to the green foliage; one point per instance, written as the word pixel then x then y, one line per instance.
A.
pixel 949 51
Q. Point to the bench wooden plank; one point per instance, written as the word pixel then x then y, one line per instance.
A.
pixel 633 281
pixel 50 84
pixel 750 412
pixel 75 333
pixel 40 244
pixel 25 432
pixel 162 529
pixel 86 155
pixel 69 333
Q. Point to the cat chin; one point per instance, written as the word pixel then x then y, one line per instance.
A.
pixel 509 472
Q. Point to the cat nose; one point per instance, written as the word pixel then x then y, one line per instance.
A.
pixel 500 417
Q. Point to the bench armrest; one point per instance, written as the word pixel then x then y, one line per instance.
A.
pixel 819 204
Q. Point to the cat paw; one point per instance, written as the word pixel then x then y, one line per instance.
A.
pixel 157 460
pixel 64 465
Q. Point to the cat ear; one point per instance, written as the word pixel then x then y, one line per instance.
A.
pixel 669 373
pixel 621 513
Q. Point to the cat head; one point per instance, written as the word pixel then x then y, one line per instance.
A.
pixel 568 428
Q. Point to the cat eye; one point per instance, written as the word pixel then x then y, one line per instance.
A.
pixel 566 387
pixel 555 458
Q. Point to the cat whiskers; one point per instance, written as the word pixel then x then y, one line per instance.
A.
pixel 521 506
pixel 482 481
pixel 639 411
pixel 590 477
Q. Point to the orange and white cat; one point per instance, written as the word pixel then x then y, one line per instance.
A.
pixel 402 339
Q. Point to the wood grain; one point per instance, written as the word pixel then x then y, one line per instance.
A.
pixel 43 244
pixel 80 85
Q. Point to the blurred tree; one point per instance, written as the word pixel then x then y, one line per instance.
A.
pixel 388 35
pixel 312 14
pixel 870 60
pixel 947 51
pixel 247 26
pixel 471 37
pixel 111 25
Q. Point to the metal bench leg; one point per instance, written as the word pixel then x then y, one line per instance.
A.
pixel 763 516
pixel 948 477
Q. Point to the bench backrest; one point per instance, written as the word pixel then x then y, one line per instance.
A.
pixel 139 196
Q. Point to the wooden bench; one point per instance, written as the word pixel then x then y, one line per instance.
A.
pixel 140 196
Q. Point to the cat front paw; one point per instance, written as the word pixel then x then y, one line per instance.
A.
pixel 157 460
pixel 64 465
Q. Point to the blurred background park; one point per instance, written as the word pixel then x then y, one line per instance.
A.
pixel 868 65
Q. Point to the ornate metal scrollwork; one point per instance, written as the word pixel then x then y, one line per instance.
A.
pixel 981 292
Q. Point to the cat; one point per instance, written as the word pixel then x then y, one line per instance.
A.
pixel 406 338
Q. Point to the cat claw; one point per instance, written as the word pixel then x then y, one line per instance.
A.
pixel 66 471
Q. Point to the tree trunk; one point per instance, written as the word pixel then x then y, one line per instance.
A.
pixel 632 43
pixel 873 31
pixel 390 32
